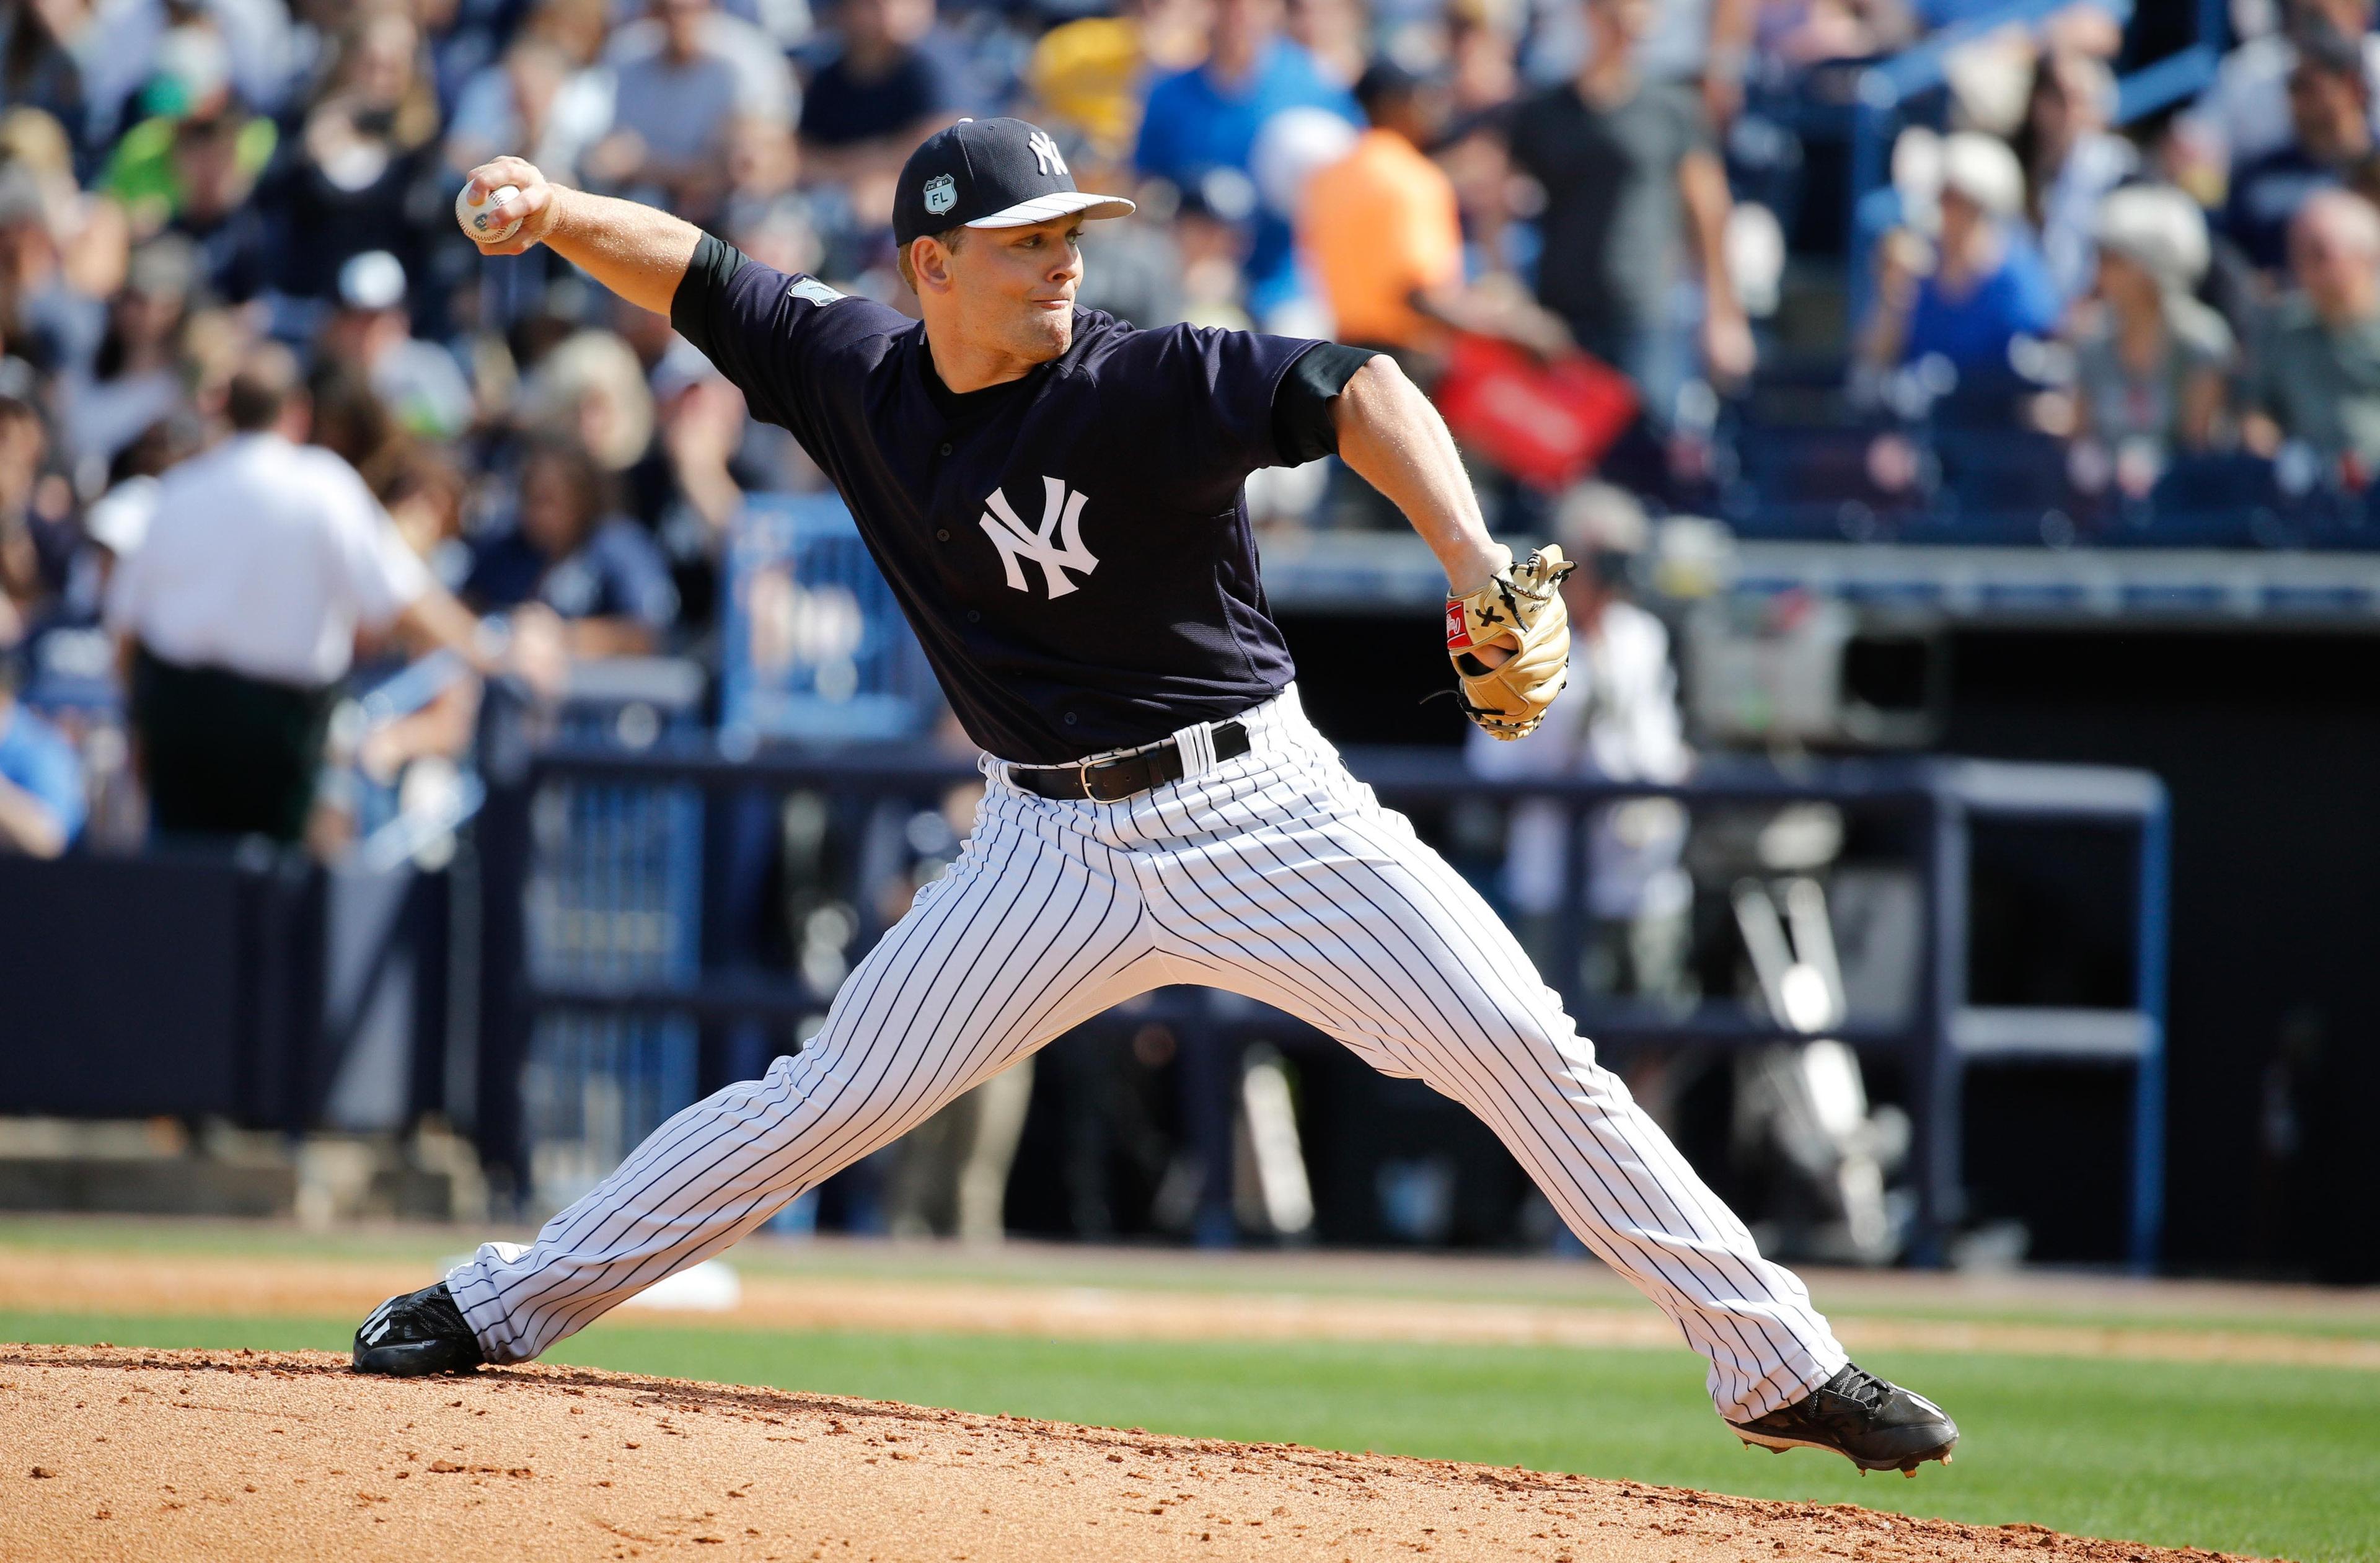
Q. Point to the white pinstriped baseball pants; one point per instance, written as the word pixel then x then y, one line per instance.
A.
pixel 1275 875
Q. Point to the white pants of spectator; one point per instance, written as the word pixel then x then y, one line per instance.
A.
pixel 1274 874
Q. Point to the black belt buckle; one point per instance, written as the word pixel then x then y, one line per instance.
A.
pixel 1116 780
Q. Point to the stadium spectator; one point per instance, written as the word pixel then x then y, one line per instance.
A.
pixel 349 419
pixel 27 577
pixel 1984 284
pixel 372 331
pixel 1204 121
pixel 2318 375
pixel 674 98
pixel 2245 114
pixel 1628 171
pixel 135 377
pixel 1381 230
pixel 42 802
pixel 43 49
pixel 1132 271
pixel 238 615
pixel 2153 375
pixel 2072 160
pixel 244 43
pixel 1792 35
pixel 592 388
pixel 1334 33
pixel 566 549
pixel 1483 63
pixel 1618 720
pixel 424 494
pixel 692 483
pixel 764 80
pixel 1705 44
pixel 45 319
pixel 145 170
pixel 892 81
pixel 364 175
pixel 765 213
pixel 950 1174
pixel 1087 75
pixel 536 102
pixel 214 161
pixel 2330 120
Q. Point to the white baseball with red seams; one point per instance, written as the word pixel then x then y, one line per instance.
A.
pixel 1274 874
pixel 475 218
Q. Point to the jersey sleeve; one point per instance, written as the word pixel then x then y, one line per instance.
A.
pixel 772 335
pixel 1303 425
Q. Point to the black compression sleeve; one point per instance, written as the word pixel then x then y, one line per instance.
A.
pixel 714 265
pixel 1302 427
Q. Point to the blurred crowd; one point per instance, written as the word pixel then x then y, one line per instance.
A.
pixel 2203 283
pixel 1578 197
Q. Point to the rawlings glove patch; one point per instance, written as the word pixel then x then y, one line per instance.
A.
pixel 1520 610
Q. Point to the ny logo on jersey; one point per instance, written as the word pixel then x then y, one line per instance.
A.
pixel 1057 546
pixel 1045 155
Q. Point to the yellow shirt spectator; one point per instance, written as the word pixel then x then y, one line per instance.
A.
pixel 1380 225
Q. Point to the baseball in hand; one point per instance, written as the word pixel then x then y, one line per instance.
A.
pixel 477 217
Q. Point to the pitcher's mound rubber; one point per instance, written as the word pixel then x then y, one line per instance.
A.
pixel 112 1453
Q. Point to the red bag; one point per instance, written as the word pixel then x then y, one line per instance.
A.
pixel 1546 424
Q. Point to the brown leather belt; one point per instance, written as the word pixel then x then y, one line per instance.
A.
pixel 1113 781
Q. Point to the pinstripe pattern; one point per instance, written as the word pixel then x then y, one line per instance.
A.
pixel 1275 875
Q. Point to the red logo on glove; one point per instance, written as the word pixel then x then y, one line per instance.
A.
pixel 1458 632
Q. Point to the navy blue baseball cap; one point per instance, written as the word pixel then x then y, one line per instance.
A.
pixel 990 174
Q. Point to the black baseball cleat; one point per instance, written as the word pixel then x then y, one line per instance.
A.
pixel 1875 1425
pixel 418 1333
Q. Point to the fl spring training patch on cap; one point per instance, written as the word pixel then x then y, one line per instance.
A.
pixel 991 173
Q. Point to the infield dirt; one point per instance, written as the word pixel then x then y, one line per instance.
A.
pixel 112 1453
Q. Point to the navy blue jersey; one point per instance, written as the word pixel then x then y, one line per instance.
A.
pixel 1072 548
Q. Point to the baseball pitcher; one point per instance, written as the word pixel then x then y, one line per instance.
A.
pixel 1056 498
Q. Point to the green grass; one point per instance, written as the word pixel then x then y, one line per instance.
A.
pixel 2276 1461
pixel 2307 1312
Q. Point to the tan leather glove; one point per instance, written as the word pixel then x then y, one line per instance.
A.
pixel 1520 611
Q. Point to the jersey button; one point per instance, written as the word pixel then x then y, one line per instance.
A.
pixel 974 617
pixel 946 447
pixel 941 534
pixel 1070 718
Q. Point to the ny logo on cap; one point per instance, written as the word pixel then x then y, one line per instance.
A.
pixel 1056 545
pixel 1045 155
pixel 941 194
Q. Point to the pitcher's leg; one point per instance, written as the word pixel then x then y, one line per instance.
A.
pixel 1022 939
pixel 1334 911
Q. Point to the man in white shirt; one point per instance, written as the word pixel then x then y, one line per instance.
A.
pixel 1618 720
pixel 236 617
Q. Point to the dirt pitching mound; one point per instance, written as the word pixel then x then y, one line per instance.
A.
pixel 108 1453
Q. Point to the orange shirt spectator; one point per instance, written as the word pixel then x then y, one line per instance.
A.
pixel 1379 226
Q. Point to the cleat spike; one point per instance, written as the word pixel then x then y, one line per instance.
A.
pixel 1910 1472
